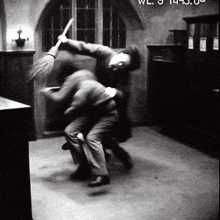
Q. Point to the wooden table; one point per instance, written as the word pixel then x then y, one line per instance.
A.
pixel 15 193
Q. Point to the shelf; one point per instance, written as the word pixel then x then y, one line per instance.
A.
pixel 165 46
pixel 202 19
pixel 167 61
pixel 183 84
pixel 167 52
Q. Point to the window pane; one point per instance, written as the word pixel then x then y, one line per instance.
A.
pixel 85 19
pixel 91 3
pixel 57 21
pixel 106 19
pixel 81 19
pixel 56 33
pixel 114 32
pixel 47 24
pixel 90 36
pixel 106 37
pixel 86 35
pixel 91 18
pixel 85 3
pixel 106 4
pixel 115 39
pixel 54 24
pixel 80 35
pixel 47 40
pixel 115 20
pixel 121 24
pixel 66 17
pixel 66 3
pixel 122 39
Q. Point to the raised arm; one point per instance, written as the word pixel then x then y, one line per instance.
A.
pixel 89 49
pixel 64 94
pixel 79 101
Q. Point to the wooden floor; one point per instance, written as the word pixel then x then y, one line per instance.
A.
pixel 170 181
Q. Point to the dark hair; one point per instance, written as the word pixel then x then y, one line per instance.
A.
pixel 134 53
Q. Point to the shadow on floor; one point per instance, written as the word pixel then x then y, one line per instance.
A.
pixel 169 181
pixel 57 180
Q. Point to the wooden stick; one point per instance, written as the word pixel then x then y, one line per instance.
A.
pixel 65 31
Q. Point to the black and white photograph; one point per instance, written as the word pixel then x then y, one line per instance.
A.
pixel 109 109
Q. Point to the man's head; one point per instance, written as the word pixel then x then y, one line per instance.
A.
pixel 129 58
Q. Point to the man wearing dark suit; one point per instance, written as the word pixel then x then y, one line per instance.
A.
pixel 113 71
pixel 93 113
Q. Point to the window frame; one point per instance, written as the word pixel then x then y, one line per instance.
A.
pixel 99 29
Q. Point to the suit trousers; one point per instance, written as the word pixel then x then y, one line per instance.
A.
pixel 95 127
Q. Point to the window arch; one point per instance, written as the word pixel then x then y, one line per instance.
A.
pixel 95 21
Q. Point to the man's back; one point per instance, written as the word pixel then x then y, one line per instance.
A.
pixel 90 94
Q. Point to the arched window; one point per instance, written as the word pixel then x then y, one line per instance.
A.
pixel 95 21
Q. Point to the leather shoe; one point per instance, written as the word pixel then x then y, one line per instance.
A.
pixel 99 181
pixel 66 146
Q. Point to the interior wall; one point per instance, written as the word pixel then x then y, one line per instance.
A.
pixel 146 24
pixel 18 16
pixel 157 20
pixel 2 26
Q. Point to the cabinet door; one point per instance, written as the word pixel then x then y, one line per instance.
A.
pixel 166 92
pixel 15 195
pixel 15 180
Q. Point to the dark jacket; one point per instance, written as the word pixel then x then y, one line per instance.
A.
pixel 103 54
pixel 83 93
pixel 115 79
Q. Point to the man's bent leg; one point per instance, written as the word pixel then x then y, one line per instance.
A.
pixel 76 149
pixel 95 151
pixel 118 152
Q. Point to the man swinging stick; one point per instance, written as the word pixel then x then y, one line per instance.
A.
pixel 112 70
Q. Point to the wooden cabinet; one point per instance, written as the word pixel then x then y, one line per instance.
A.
pixel 183 88
pixel 203 68
pixel 15 128
pixel 201 33
pixel 165 83
pixel 14 82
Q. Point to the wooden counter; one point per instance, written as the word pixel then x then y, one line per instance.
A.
pixel 15 127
